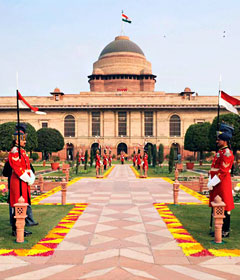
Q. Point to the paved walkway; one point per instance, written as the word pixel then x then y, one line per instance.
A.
pixel 119 236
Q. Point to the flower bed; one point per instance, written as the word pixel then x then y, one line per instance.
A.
pixel 3 193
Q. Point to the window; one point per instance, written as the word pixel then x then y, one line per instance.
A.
pixel 95 123
pixel 148 123
pixel 44 124
pixel 69 126
pixel 175 126
pixel 122 124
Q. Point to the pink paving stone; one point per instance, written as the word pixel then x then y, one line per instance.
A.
pixel 119 233
pixel 135 264
pixel 120 223
pixel 89 228
pixel 67 257
pixel 120 215
pixel 169 253
pixel 150 228
pixel 115 244
pixel 164 273
pixel 82 240
pixel 117 273
pixel 155 239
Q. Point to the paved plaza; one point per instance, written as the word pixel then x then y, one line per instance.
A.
pixel 119 236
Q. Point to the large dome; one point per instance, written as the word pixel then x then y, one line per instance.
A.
pixel 121 44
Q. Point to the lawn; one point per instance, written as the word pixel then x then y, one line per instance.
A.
pixel 195 219
pixel 40 168
pixel 163 172
pixel 48 216
pixel 90 172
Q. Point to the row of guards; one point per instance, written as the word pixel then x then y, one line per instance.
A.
pixel 141 161
pixel 102 163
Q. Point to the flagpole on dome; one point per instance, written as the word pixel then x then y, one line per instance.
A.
pixel 122 26
pixel 219 92
pixel 18 130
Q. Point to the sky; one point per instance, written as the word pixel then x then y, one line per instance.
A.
pixel 54 43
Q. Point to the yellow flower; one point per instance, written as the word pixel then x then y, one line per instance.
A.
pixel 2 187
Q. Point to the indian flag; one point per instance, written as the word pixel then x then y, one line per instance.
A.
pixel 126 18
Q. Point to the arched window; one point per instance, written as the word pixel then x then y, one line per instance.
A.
pixel 175 126
pixel 122 147
pixel 69 126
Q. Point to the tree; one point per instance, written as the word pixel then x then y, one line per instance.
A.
pixel 6 132
pixel 77 162
pixel 171 160
pixel 160 154
pixel 86 160
pixel 197 138
pixel 231 119
pixel 154 155
pixel 49 140
pixel 149 154
pixel 91 157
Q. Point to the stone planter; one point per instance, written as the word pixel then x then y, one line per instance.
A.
pixel 189 165
pixel 55 165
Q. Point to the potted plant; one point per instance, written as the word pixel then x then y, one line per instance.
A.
pixel 190 164
pixel 55 163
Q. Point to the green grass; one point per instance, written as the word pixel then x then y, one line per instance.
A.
pixel 163 172
pixel 40 168
pixel 90 172
pixel 48 216
pixel 196 218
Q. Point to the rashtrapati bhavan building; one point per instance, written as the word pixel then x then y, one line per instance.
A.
pixel 121 110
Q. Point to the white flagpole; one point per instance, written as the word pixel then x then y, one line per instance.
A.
pixel 122 26
pixel 219 92
pixel 17 79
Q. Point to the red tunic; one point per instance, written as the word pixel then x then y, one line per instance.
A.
pixel 83 158
pixel 18 168
pixel 138 159
pixel 98 160
pixel 110 159
pixel 145 161
pixel 221 166
pixel 104 159
pixel 122 158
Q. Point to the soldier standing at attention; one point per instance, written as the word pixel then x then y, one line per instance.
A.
pixel 98 164
pixel 105 160
pixel 220 182
pixel 145 163
pixel 21 171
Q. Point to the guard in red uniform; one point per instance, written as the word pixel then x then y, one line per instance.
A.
pixel 110 158
pixel 21 171
pixel 134 158
pixel 122 157
pixel 105 160
pixel 83 158
pixel 220 182
pixel 98 162
pixel 145 163
pixel 139 159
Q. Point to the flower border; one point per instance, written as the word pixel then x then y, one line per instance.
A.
pixel 47 245
pixel 184 239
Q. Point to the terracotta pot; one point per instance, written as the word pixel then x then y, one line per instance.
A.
pixel 55 165
pixel 189 165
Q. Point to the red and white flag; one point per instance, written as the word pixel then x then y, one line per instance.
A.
pixel 229 102
pixel 24 104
